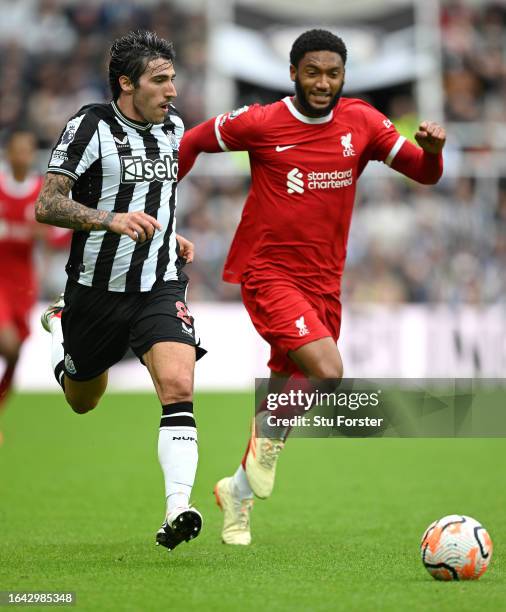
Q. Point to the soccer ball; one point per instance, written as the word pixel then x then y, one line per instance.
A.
pixel 456 548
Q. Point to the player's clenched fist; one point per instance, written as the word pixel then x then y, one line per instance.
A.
pixel 431 137
pixel 138 225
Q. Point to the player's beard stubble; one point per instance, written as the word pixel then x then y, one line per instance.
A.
pixel 310 110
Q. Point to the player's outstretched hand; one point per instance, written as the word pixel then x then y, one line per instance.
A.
pixel 431 137
pixel 186 248
pixel 138 225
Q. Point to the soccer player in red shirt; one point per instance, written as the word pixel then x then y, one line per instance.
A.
pixel 306 154
pixel 19 188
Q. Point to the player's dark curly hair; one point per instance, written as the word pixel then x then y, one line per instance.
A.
pixel 131 53
pixel 317 40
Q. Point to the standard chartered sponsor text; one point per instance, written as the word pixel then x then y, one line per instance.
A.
pixel 330 180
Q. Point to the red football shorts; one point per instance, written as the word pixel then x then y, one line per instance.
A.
pixel 288 317
pixel 15 307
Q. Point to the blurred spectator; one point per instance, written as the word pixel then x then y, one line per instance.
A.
pixel 474 55
pixel 52 57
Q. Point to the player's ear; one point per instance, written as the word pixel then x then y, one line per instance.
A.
pixel 293 72
pixel 126 84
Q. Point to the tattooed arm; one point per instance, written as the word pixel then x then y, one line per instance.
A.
pixel 54 207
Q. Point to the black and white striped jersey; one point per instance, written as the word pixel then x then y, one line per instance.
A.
pixel 121 165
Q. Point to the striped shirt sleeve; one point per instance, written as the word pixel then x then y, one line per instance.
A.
pixel 78 146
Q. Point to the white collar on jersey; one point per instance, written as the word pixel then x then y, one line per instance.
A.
pixel 304 118
pixel 139 125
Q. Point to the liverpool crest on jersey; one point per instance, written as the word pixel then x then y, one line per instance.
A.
pixel 348 150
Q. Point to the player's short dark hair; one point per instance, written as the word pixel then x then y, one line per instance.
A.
pixel 131 53
pixel 317 40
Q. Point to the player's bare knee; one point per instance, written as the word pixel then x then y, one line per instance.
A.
pixel 82 406
pixel 175 389
pixel 81 409
pixel 328 370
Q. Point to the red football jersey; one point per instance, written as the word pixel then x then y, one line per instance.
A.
pixel 304 171
pixel 17 223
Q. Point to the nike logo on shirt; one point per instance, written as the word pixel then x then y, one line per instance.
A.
pixel 279 149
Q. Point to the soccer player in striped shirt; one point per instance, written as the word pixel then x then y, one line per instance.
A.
pixel 126 287
pixel 306 155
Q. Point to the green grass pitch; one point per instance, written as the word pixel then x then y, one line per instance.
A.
pixel 81 498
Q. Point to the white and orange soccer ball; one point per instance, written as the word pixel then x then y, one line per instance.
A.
pixel 456 548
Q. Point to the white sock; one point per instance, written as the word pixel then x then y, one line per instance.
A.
pixel 178 453
pixel 57 353
pixel 240 484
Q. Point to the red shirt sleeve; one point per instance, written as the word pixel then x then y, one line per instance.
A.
pixel 383 139
pixel 234 131
pixel 388 146
pixel 200 139
pixel 415 163
pixel 240 129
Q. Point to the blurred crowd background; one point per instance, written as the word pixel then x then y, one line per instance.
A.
pixel 408 243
